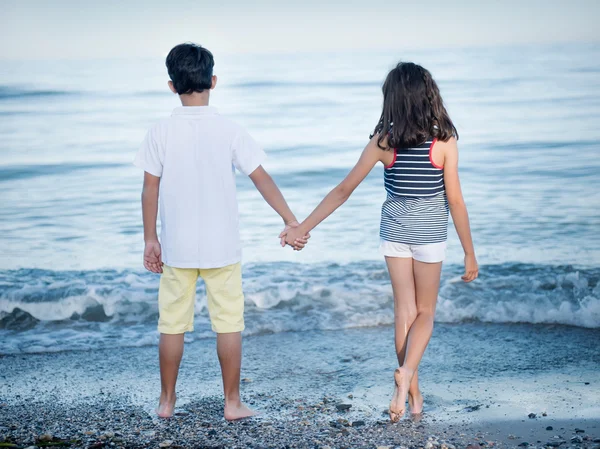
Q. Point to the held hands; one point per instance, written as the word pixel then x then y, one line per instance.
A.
pixel 152 256
pixel 471 268
pixel 298 242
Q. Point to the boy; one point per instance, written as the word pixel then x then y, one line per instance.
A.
pixel 191 156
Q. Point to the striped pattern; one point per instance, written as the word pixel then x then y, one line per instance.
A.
pixel 413 174
pixel 416 209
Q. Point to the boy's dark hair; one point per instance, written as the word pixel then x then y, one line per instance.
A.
pixel 190 68
pixel 413 110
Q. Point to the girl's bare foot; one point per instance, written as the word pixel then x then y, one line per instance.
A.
pixel 415 402
pixel 402 377
pixel 166 406
pixel 237 411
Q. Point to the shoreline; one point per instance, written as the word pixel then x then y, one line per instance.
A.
pixel 212 337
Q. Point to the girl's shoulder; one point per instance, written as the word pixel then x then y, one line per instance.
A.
pixel 446 152
pixel 450 143
pixel 380 143
pixel 449 146
pixel 442 151
pixel 380 149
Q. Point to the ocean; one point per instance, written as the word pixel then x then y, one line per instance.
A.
pixel 71 276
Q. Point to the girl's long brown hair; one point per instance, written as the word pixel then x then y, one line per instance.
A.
pixel 413 110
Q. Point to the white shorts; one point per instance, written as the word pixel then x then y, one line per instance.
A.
pixel 430 253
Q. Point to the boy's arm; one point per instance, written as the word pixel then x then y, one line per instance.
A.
pixel 152 251
pixel 272 195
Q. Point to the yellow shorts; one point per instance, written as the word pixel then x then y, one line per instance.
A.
pixel 177 295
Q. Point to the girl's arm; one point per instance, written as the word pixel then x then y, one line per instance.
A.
pixel 458 209
pixel 338 196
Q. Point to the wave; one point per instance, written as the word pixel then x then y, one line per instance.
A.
pixel 272 83
pixel 10 92
pixel 545 144
pixel 43 310
pixel 12 172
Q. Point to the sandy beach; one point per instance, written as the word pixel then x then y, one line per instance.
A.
pixel 317 390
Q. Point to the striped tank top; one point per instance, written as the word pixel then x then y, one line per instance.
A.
pixel 416 209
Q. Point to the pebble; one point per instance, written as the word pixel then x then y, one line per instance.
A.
pixel 473 408
pixel 532 416
pixel 524 444
pixel 579 431
pixel 202 425
pixel 577 439
pixel 549 428
pixel 384 447
pixel 45 437
pixel 343 422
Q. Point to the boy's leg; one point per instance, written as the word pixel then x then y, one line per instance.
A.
pixel 226 307
pixel 170 351
pixel 176 297
pixel 229 350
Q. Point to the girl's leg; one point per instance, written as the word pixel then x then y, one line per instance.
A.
pixel 405 312
pixel 427 284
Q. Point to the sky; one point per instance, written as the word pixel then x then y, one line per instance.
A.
pixel 89 29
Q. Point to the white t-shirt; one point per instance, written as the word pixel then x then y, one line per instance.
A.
pixel 194 152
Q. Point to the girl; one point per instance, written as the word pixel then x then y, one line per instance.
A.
pixel 415 140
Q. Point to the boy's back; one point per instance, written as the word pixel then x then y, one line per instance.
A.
pixel 194 152
pixel 189 161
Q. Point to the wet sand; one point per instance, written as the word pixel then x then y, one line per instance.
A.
pixel 317 389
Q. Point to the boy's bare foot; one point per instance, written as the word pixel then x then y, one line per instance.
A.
pixel 166 407
pixel 237 411
pixel 402 376
pixel 415 402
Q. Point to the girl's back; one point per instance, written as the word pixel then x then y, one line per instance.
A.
pixel 416 209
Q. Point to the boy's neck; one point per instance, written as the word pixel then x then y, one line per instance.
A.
pixel 195 98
